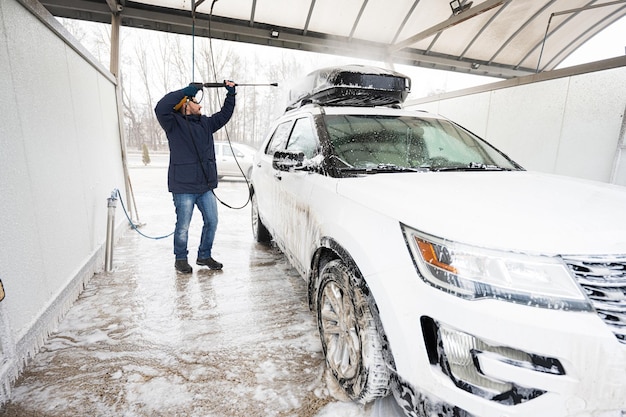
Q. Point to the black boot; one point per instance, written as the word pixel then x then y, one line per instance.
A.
pixel 210 262
pixel 183 266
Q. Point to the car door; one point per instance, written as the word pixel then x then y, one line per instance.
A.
pixel 225 161
pixel 266 180
pixel 294 187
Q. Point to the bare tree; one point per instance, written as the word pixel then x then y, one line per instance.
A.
pixel 151 128
pixel 132 123
pixel 95 36
pixel 177 55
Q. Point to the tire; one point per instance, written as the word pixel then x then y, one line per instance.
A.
pixel 350 340
pixel 260 232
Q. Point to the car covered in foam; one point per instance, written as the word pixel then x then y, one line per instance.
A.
pixel 438 268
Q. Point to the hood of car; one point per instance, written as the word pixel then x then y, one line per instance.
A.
pixel 518 211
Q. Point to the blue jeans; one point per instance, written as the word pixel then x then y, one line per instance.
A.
pixel 184 204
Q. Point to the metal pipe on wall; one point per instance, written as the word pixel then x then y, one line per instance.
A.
pixel 110 238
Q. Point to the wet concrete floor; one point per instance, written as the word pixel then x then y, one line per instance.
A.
pixel 143 340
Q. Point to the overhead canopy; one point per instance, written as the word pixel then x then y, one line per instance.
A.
pixel 501 38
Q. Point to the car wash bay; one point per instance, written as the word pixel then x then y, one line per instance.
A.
pixel 143 340
pixel 58 169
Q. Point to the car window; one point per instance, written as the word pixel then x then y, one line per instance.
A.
pixel 229 152
pixel 238 152
pixel 371 140
pixel 363 141
pixel 445 140
pixel 303 138
pixel 279 138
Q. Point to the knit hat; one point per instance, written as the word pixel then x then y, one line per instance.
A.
pixel 180 103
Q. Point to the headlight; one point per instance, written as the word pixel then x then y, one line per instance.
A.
pixel 473 273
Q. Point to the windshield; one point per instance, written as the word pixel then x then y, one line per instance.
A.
pixel 374 141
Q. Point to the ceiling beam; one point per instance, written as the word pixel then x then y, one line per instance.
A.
pixel 358 19
pixel 308 18
pixel 404 21
pixel 114 6
pixel 253 13
pixel 163 19
pixel 446 24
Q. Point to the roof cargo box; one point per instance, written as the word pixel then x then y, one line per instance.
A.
pixel 351 85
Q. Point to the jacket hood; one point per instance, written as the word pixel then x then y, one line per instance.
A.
pixel 518 211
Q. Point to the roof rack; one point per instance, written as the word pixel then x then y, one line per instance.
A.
pixel 351 85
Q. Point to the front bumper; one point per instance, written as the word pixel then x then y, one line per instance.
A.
pixel 497 359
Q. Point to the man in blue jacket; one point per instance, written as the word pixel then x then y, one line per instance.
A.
pixel 192 174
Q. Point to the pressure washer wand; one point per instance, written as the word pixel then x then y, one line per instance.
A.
pixel 216 85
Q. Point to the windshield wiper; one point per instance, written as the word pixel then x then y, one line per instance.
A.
pixel 381 168
pixel 472 166
pixel 395 168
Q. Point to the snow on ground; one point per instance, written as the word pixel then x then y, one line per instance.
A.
pixel 144 341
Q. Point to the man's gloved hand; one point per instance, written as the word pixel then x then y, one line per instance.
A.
pixel 191 90
pixel 230 87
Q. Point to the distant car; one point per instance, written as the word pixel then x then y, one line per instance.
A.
pixel 227 164
pixel 438 267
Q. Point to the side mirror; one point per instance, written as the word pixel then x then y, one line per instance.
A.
pixel 287 160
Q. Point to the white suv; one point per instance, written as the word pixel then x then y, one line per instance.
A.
pixel 438 268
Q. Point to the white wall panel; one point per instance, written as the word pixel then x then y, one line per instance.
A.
pixel 591 125
pixel 60 158
pixel 470 112
pixel 525 122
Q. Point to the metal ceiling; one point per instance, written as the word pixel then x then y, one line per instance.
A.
pixel 500 38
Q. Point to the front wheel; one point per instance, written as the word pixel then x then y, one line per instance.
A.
pixel 260 232
pixel 350 339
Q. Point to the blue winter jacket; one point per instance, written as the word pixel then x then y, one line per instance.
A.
pixel 192 166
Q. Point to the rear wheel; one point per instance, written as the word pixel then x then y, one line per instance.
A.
pixel 350 339
pixel 260 232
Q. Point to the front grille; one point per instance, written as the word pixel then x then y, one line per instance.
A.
pixel 604 281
